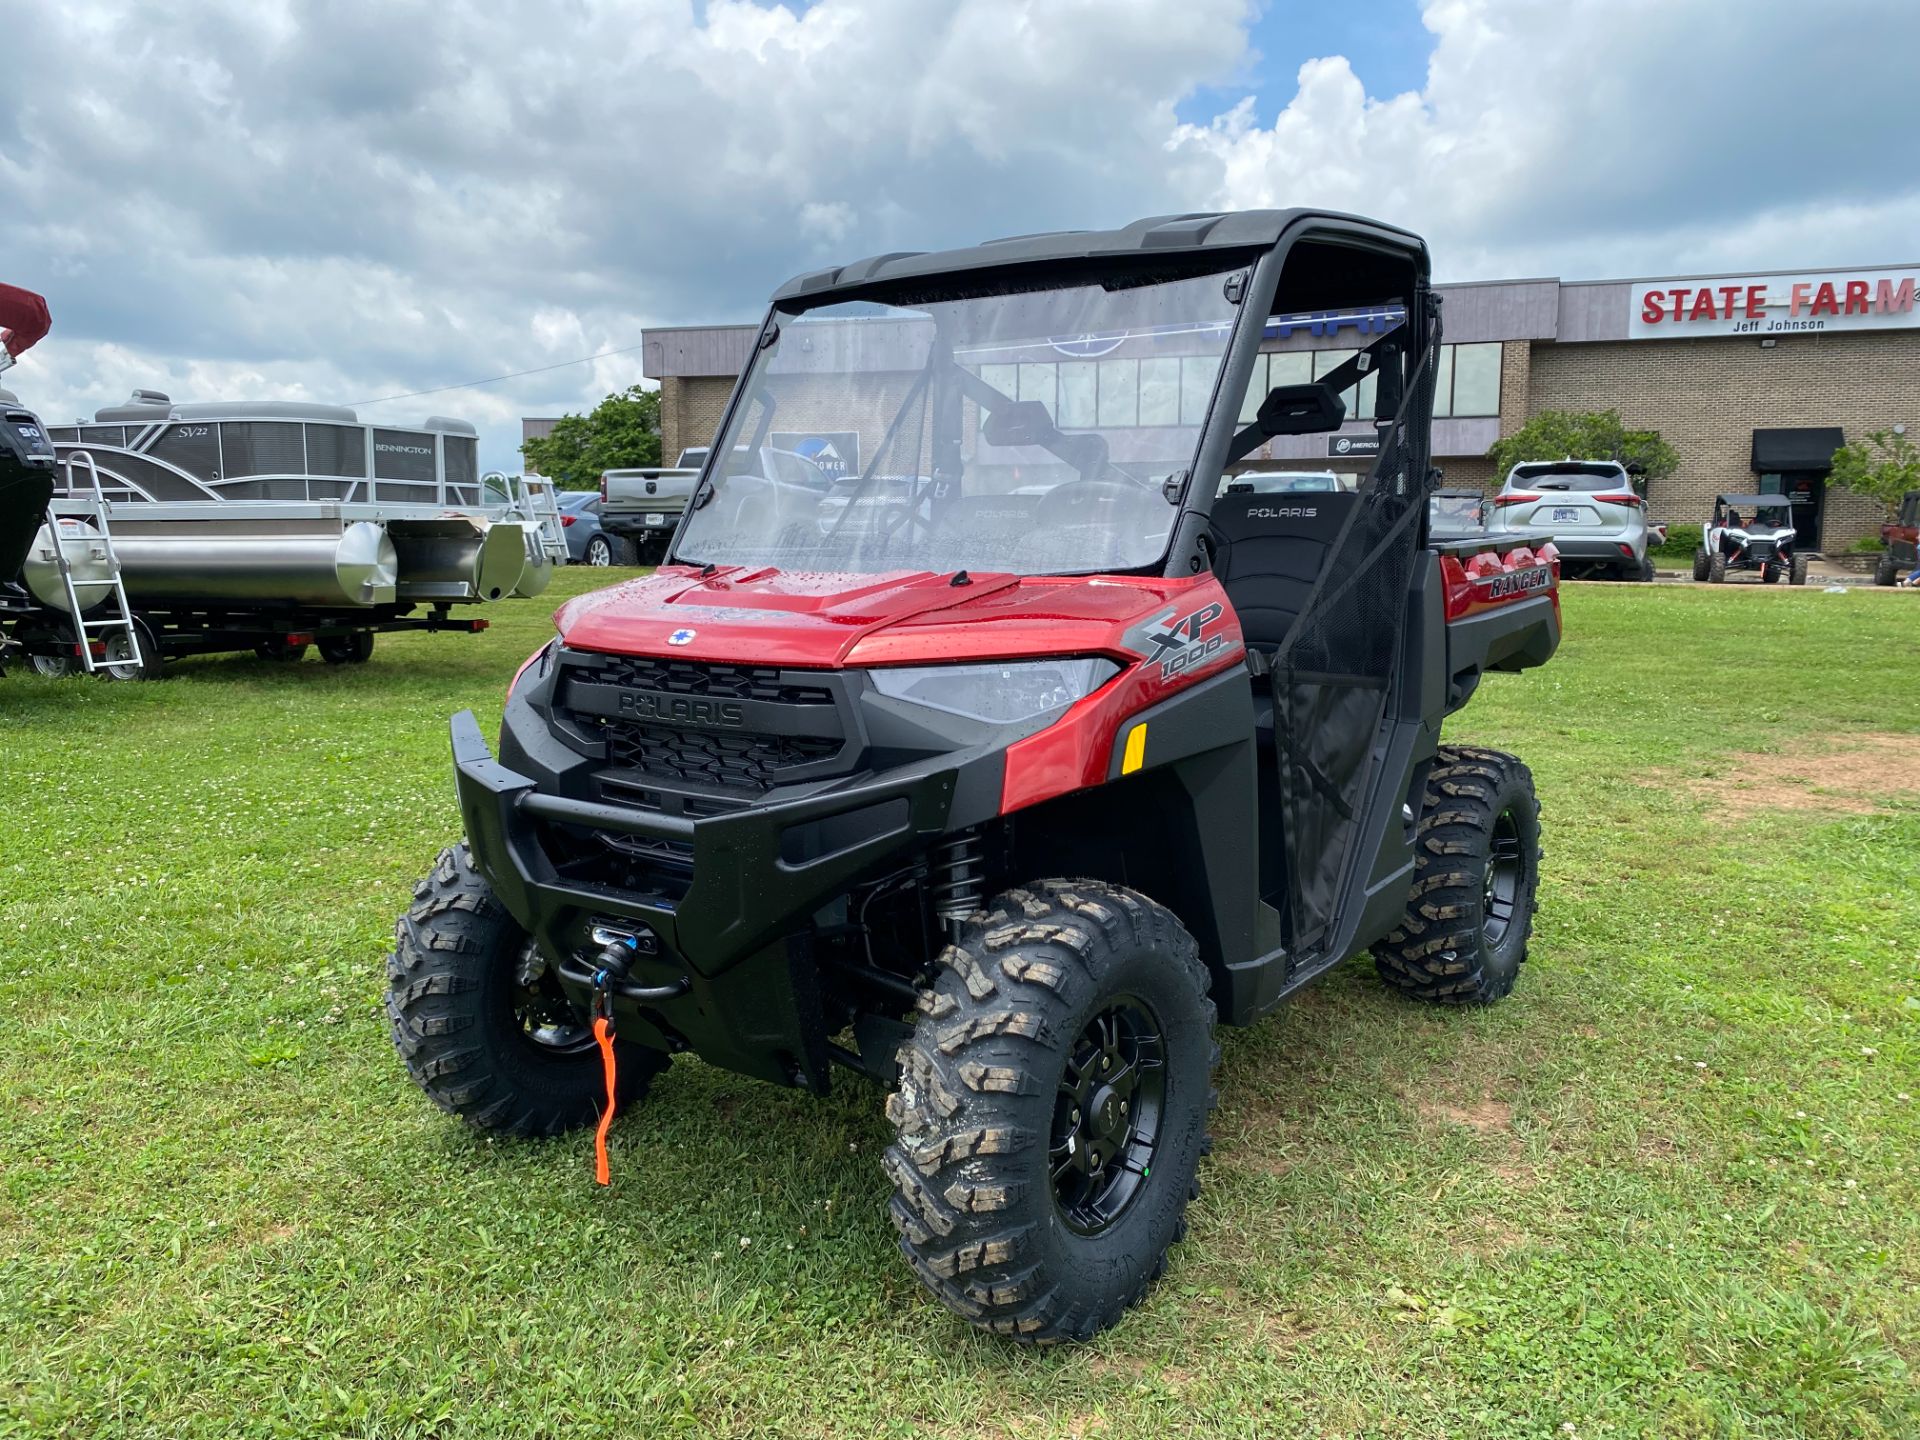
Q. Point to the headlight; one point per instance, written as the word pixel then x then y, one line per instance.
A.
pixel 1000 694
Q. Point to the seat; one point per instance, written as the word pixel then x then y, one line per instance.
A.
pixel 1268 552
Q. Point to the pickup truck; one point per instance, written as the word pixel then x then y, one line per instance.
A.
pixel 1901 536
pixel 641 508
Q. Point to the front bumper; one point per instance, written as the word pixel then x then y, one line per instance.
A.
pixel 738 933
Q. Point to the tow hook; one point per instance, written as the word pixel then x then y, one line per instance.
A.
pixel 607 973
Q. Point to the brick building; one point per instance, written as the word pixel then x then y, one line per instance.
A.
pixel 1754 380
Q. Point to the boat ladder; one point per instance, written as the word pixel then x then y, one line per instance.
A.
pixel 89 503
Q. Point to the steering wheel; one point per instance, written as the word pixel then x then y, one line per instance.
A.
pixel 1078 502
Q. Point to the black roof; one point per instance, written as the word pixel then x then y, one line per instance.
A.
pixel 1186 236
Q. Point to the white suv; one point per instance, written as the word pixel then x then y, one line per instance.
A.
pixel 1590 509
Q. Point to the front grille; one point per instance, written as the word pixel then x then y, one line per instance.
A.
pixel 681 736
pixel 732 761
pixel 724 682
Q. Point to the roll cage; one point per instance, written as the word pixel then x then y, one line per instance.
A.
pixel 1273 263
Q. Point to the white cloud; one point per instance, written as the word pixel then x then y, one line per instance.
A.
pixel 337 201
pixel 1606 137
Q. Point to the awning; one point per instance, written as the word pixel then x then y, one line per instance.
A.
pixel 1777 451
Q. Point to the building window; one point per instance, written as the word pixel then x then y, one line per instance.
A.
pixel 1036 383
pixel 1079 395
pixel 1476 379
pixel 1159 392
pixel 1257 388
pixel 1197 376
pixel 1119 392
pixel 1174 390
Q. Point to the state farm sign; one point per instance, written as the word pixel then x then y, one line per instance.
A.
pixel 1775 304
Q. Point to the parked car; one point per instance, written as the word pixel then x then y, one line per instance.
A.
pixel 1590 510
pixel 1281 482
pixel 643 506
pixel 1750 532
pixel 1901 536
pixel 588 542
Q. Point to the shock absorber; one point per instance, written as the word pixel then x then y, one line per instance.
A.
pixel 958 878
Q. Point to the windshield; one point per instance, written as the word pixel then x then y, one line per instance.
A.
pixel 1031 432
pixel 1453 513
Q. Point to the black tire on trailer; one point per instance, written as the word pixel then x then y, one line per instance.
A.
pixel 599 552
pixel 1716 569
pixel 354 648
pixel 1700 563
pixel 1052 1110
pixel 1476 882
pixel 1798 575
pixel 1885 572
pixel 481 1021
pixel 144 660
pixel 279 650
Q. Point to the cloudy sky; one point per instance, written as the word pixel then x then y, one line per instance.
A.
pixel 340 201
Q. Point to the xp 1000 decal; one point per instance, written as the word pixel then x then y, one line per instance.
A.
pixel 1181 644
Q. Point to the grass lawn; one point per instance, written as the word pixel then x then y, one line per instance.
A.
pixel 1671 1187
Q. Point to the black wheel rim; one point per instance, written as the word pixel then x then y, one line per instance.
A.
pixel 1107 1116
pixel 1506 871
pixel 542 1013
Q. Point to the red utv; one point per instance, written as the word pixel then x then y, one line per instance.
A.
pixel 1005 795
pixel 1901 536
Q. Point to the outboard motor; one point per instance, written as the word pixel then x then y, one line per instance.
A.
pixel 26 485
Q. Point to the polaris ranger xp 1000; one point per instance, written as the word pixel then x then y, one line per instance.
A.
pixel 1006 777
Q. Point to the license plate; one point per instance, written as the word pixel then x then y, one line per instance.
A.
pixel 1572 515
pixel 656 519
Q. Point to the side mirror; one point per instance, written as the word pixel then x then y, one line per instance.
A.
pixel 1024 422
pixel 1304 409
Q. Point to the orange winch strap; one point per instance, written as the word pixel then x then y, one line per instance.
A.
pixel 603 1032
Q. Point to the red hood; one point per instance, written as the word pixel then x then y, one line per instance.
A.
pixel 775 617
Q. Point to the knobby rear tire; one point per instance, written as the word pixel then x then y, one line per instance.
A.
pixel 1443 950
pixel 975 1112
pixel 450 982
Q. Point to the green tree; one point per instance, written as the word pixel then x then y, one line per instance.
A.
pixel 622 432
pixel 1883 469
pixel 1585 435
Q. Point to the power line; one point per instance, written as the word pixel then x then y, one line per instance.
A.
pixel 496 379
